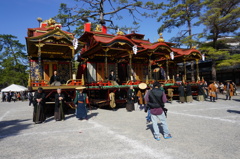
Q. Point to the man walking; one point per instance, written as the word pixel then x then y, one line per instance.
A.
pixel 212 92
pixel 156 105
pixel 229 89
pixel 235 88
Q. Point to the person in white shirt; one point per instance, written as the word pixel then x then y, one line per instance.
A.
pixel 221 86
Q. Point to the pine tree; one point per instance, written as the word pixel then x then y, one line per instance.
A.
pixel 220 17
pixel 215 55
pixel 13 61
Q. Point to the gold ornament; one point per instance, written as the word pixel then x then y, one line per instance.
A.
pixel 161 38
pixel 120 33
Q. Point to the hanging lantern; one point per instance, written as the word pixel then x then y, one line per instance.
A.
pixel 172 55
pixel 75 43
pixel 203 57
pixel 135 49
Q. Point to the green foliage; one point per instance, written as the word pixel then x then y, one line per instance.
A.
pixel 233 60
pixel 103 12
pixel 220 17
pixel 180 13
pixel 13 61
pixel 220 44
pixel 214 54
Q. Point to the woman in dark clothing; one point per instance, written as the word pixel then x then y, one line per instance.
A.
pixel 59 103
pixel 81 101
pixel 181 93
pixel 131 98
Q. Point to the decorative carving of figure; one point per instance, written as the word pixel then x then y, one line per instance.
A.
pixel 51 22
pixel 98 28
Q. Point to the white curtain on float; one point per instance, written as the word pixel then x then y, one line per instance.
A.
pixel 91 72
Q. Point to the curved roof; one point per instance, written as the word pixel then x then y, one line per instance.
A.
pixel 155 45
pixel 108 40
pixel 55 43
pixel 35 32
pixel 96 41
pixel 180 51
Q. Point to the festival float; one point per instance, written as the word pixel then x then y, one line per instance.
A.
pixel 88 61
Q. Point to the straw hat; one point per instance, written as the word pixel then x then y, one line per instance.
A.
pixel 81 87
pixel 142 85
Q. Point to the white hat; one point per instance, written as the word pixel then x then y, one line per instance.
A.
pixel 142 85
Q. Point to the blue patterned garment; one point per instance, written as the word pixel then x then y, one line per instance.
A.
pixel 81 107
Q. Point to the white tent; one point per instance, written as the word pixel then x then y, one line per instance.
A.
pixel 14 88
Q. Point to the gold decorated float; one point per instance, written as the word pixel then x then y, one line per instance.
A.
pixel 89 60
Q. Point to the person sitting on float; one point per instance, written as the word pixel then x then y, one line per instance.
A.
pixel 112 77
pixel 55 79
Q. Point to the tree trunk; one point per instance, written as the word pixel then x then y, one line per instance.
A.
pixel 215 38
pixel 214 73
pixel 189 28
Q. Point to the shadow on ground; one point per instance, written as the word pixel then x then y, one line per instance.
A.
pixel 233 111
pixel 12 127
pixel 91 115
pixel 150 127
pixel 69 113
pixel 51 118
pixel 70 116
pixel 237 100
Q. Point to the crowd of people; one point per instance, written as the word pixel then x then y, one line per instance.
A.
pixel 151 99
pixel 204 91
pixel 39 99
pixel 14 96
pixel 136 100
pixel 214 88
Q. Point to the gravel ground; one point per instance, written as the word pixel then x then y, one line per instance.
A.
pixel 200 130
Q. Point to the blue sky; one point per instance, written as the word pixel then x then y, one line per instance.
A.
pixel 18 15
